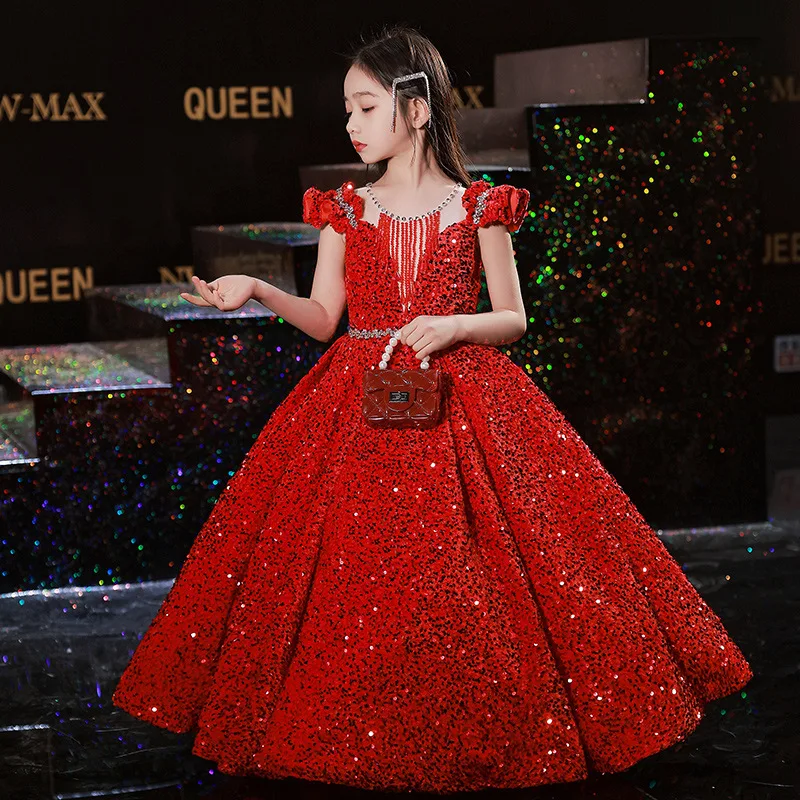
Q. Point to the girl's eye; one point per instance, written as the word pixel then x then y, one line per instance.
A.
pixel 348 113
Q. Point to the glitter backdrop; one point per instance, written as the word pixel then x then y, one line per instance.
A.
pixel 136 438
pixel 637 274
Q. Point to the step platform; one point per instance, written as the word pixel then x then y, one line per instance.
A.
pixel 18 449
pixel 114 450
pixel 43 385
pixel 220 357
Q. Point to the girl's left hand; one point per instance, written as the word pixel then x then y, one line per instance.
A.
pixel 428 334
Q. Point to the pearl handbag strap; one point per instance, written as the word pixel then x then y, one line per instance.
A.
pixel 389 349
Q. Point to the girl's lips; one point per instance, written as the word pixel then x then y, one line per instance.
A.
pixel 359 146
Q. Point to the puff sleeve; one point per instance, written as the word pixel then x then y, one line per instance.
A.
pixel 489 205
pixel 341 208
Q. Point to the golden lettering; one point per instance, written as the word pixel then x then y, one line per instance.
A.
pixel 31 285
pixel 52 110
pixel 193 103
pixel 282 102
pixel 20 296
pixel 472 92
pixel 37 280
pixel 181 274
pixel 94 111
pixel 6 109
pixel 72 107
pixel 222 109
pixel 259 98
pixel 81 281
pixel 782 248
pixel 472 96
pixel 237 102
pixel 59 277
pixel 784 89
pixel 42 112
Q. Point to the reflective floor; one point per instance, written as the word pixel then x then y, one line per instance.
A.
pixel 61 653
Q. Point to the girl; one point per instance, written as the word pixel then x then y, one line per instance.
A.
pixel 474 603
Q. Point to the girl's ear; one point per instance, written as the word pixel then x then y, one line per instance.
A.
pixel 420 113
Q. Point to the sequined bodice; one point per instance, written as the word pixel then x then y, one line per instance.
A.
pixel 447 282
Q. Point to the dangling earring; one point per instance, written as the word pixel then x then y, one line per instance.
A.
pixel 402 79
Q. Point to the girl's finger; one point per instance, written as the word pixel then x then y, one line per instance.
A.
pixel 206 294
pixel 210 296
pixel 198 301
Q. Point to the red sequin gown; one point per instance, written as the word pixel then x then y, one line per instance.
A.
pixel 474 605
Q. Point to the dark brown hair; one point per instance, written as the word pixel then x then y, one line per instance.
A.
pixel 402 50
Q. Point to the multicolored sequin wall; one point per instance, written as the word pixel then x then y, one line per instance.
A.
pixel 643 324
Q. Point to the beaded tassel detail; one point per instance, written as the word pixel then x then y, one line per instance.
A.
pixel 407 245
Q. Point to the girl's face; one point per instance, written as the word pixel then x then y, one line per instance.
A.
pixel 368 107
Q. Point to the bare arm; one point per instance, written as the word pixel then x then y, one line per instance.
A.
pixel 318 315
pixel 507 321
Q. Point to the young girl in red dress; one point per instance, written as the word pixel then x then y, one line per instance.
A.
pixel 474 603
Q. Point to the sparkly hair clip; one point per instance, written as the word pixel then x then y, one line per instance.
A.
pixel 402 79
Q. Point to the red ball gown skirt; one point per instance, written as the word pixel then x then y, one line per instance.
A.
pixel 474 605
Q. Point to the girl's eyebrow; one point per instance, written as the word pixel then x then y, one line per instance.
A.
pixel 359 94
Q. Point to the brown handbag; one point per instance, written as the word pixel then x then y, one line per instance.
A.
pixel 402 398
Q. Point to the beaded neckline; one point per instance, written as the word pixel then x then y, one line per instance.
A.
pixel 397 217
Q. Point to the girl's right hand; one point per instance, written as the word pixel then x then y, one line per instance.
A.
pixel 227 293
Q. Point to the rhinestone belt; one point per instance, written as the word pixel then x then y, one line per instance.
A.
pixel 367 333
